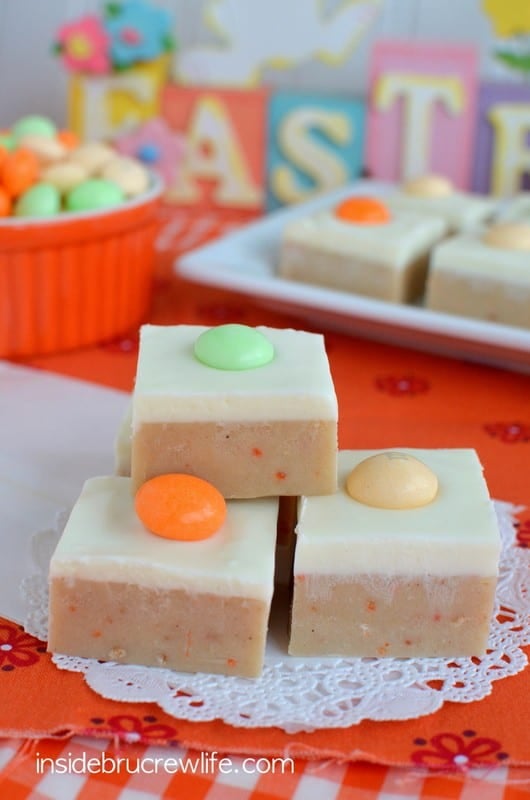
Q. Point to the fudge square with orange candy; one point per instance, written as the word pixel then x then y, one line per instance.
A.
pixel 190 591
pixel 362 246
pixel 401 561
pixel 251 410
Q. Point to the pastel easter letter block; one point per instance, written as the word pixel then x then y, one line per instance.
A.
pixel 502 162
pixel 422 111
pixel 223 166
pixel 315 143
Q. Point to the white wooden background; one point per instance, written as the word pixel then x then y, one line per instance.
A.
pixel 32 80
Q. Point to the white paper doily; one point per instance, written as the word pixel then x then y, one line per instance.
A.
pixel 305 694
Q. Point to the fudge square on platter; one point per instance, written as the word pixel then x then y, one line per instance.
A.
pixel 484 275
pixel 251 410
pixel 384 576
pixel 362 246
pixel 121 593
pixel 435 195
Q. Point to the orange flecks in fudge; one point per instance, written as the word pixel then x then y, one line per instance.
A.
pixel 437 617
pixel 408 642
pixel 178 506
pixel 363 211
pixel 232 662
pixel 72 608
pixel 281 476
pixel 382 650
pixel 370 605
pixel 257 452
pixel 96 634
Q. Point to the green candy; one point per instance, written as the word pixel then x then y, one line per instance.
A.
pixel 33 125
pixel 233 347
pixel 42 200
pixel 93 194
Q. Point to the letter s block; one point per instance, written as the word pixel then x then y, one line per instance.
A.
pixel 315 143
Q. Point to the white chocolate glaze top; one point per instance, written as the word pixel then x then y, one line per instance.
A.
pixel 105 541
pixel 455 534
pixel 460 211
pixel 172 385
pixel 469 256
pixel 397 242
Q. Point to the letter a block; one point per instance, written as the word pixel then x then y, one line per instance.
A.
pixel 502 163
pixel 422 111
pixel 224 165
pixel 315 143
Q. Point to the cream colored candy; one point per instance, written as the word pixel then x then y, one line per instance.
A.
pixel 47 149
pixel 508 236
pixel 128 174
pixel 65 175
pixel 93 156
pixel 429 186
pixel 392 480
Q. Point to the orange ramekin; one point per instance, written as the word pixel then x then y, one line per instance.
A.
pixel 78 278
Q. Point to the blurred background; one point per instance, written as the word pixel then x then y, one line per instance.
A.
pixel 31 78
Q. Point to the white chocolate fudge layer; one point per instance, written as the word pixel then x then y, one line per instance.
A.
pixel 470 278
pixel 386 261
pixel 188 603
pixel 259 432
pixel 173 386
pixel 410 582
pixel 461 211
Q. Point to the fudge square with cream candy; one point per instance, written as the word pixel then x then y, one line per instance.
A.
pixel 401 561
pixel 484 274
pixel 251 410
pixel 119 592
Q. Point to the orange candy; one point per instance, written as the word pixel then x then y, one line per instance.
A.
pixel 178 506
pixel 5 203
pixel 19 171
pixel 68 139
pixel 3 154
pixel 363 211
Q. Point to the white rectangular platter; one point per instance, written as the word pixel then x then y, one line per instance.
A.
pixel 245 261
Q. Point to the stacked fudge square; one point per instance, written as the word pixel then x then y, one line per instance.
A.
pixel 402 564
pixel 257 419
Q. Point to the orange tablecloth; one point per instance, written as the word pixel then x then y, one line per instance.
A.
pixel 388 397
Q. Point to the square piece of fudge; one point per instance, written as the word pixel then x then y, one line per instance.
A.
pixel 121 593
pixel 481 275
pixel 435 195
pixel 264 431
pixel 420 581
pixel 383 255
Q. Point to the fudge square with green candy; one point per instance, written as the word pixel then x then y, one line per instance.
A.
pixel 251 410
